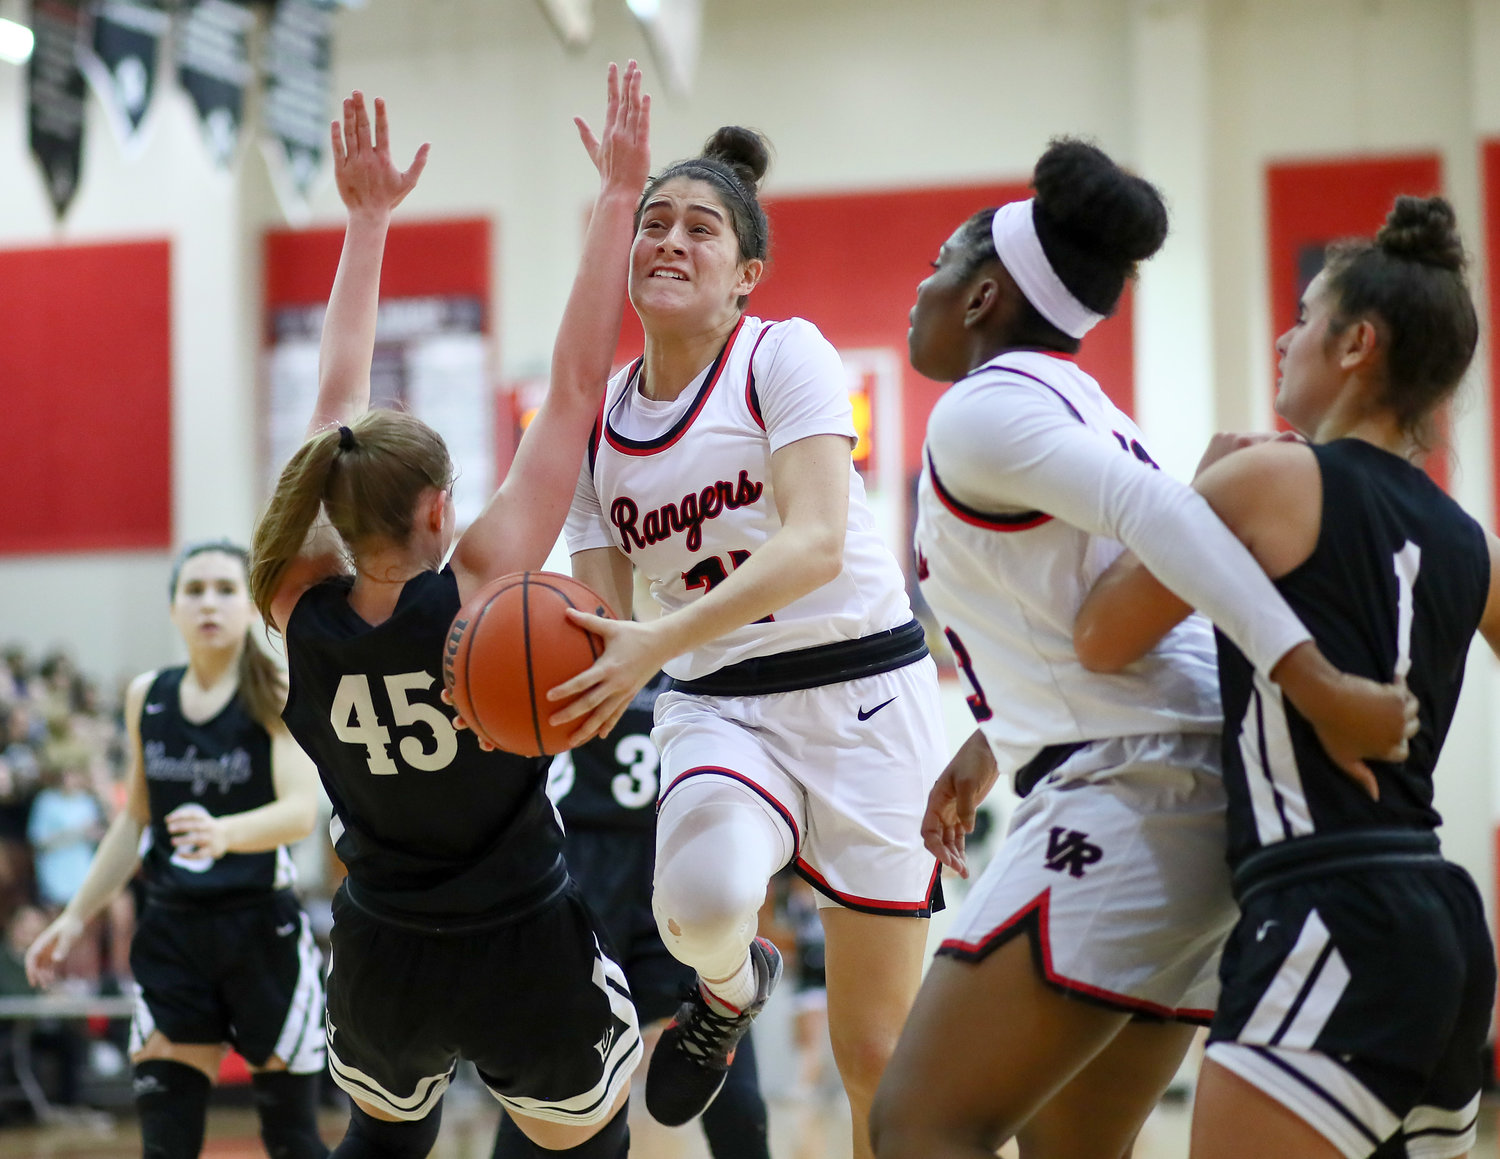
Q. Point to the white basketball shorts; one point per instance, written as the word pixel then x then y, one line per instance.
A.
pixel 847 767
pixel 1115 866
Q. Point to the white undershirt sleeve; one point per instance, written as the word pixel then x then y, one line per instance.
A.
pixel 1018 447
pixel 586 526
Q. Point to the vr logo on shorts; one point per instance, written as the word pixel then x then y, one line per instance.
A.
pixel 1071 851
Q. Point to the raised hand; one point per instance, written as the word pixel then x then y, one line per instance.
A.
pixel 622 153
pixel 368 180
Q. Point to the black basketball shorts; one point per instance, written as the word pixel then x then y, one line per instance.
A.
pixel 249 975
pixel 539 1008
pixel 1361 1001
pixel 613 869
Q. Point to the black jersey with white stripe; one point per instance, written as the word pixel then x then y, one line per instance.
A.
pixel 221 766
pixel 1396 584
pixel 612 783
pixel 435 832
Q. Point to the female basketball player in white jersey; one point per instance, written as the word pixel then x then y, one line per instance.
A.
pixel 1359 984
pixel 457 898
pixel 1063 997
pixel 803 721
pixel 217 788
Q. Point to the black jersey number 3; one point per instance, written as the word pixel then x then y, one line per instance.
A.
pixel 355 721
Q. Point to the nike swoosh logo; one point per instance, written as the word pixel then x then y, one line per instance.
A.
pixel 865 715
pixel 153 709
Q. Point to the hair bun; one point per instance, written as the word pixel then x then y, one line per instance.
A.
pixel 1425 230
pixel 743 150
pixel 1093 201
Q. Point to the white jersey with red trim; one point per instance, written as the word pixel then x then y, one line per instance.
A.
pixel 684 489
pixel 1006 576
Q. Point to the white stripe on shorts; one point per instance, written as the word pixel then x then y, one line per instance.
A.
pixel 358 1085
pixel 142 1022
pixel 1301 998
pixel 1435 1133
pixel 301 1044
pixel 620 1055
pixel 1317 1090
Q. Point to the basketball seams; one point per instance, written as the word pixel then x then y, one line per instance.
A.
pixel 536 720
pixel 600 610
pixel 551 655
pixel 467 643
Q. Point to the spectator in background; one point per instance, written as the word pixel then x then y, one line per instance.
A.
pixel 65 825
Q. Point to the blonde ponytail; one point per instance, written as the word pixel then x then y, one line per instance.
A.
pixel 289 516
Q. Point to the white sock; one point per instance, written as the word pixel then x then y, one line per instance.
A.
pixel 737 991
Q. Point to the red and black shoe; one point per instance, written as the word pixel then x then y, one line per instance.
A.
pixel 693 1056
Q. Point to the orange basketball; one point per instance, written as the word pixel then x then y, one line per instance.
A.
pixel 510 643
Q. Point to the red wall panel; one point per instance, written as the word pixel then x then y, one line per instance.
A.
pixel 422 259
pixel 1312 203
pixel 86 378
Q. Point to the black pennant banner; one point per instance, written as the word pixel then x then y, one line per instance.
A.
pixel 119 59
pixel 296 65
pixel 55 92
pixel 213 68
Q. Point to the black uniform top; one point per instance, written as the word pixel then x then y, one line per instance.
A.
pixel 435 832
pixel 612 783
pixel 1400 574
pixel 223 766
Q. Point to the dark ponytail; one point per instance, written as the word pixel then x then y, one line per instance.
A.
pixel 1410 282
pixel 734 161
pixel 1096 223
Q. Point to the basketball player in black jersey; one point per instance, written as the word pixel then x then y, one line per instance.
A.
pixel 457 932
pixel 605 791
pixel 222 953
pixel 1360 980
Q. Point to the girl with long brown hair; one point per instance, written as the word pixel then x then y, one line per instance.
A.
pixel 222 953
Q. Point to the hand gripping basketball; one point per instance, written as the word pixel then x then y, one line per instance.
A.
pixel 510 643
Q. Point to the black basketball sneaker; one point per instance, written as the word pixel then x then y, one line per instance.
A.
pixel 693 1056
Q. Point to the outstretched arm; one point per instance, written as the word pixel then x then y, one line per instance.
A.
pixel 1270 497
pixel 371 186
pixel 520 524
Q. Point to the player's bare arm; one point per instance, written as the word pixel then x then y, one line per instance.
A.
pixel 519 525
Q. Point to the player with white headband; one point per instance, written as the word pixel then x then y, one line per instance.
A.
pixel 1114 867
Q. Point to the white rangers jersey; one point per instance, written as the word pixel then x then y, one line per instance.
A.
pixel 1027 465
pixel 684 489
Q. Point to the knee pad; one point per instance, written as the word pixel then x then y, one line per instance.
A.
pixel 612 1141
pixel 288 1108
pixel 372 1138
pixel 171 1101
pixel 735 1122
pixel 716 849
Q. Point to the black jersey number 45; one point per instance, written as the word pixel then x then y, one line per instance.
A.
pixel 355 721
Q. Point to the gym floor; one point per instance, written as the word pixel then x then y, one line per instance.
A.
pixel 816 1129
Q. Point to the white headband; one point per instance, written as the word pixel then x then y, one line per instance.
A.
pixel 1021 252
